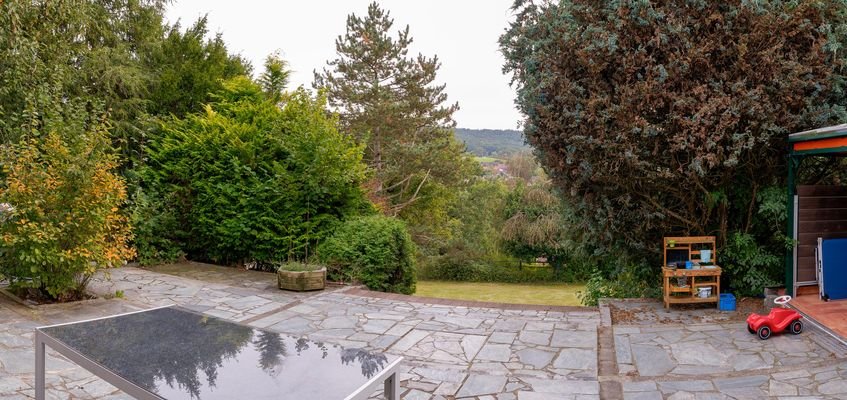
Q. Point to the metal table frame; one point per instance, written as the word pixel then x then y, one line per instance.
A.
pixel 388 375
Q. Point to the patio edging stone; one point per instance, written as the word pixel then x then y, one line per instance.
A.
pixel 363 292
pixel 11 296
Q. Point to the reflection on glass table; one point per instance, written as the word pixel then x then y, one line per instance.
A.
pixel 173 353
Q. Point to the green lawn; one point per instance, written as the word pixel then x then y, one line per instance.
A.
pixel 557 294
pixel 486 159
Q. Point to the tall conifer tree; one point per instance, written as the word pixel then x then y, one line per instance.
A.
pixel 390 102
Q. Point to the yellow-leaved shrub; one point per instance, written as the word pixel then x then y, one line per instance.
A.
pixel 62 217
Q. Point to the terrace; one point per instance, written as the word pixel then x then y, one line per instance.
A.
pixel 623 349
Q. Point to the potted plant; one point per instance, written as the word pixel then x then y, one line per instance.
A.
pixel 671 243
pixel 298 276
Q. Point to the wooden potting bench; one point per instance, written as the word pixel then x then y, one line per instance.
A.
pixel 690 248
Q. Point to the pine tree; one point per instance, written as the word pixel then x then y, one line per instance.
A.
pixel 391 103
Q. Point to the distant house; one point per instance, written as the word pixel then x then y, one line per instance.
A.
pixel 496 168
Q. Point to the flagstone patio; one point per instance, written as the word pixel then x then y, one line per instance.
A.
pixel 455 350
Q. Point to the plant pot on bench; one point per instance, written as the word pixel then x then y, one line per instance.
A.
pixel 301 278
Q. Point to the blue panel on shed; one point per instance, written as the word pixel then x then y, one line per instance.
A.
pixel 834 268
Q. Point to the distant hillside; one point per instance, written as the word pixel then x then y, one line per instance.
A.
pixel 492 142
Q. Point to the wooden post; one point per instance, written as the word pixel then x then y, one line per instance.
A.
pixel 793 164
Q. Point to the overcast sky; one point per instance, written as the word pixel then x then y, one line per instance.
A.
pixel 463 33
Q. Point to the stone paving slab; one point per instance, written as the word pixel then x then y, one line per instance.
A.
pixel 473 352
pixel 691 350
pixel 455 350
pixel 723 361
pixel 653 312
pixel 459 351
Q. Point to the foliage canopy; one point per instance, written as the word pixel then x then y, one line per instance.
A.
pixel 667 118
pixel 249 180
pixel 119 56
pixel 190 68
pixel 66 197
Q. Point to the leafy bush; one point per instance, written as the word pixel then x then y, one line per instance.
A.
pixel 750 267
pixel 375 250
pixel 66 222
pixel 157 230
pixel 249 179
pixel 626 284
pixel 753 257
pixel 453 267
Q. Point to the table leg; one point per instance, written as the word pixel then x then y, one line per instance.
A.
pixel 39 367
pixel 392 387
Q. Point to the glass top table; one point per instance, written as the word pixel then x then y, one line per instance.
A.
pixel 174 353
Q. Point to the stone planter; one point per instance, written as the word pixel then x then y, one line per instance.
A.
pixel 301 280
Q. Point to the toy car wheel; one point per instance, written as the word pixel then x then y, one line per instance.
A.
pixel 750 329
pixel 764 333
pixel 797 327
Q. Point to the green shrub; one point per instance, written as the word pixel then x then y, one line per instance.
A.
pixel 375 250
pixel 249 179
pixel 631 281
pixel 157 230
pixel 748 266
pixel 461 262
pixel 451 268
pixel 754 256
pixel 63 222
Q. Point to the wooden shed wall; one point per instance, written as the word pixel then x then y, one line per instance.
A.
pixel 822 212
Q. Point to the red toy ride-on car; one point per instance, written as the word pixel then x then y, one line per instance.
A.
pixel 776 321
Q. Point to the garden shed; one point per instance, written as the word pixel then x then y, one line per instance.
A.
pixel 815 211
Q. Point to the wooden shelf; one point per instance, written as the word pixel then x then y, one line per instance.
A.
pixel 692 247
pixel 691 272
pixel 691 239
pixel 680 299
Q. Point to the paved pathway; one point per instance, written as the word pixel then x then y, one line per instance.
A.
pixel 723 361
pixel 455 351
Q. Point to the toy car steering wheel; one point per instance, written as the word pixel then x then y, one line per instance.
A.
pixel 782 300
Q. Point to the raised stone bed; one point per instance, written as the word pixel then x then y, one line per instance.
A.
pixel 6 292
pixel 301 280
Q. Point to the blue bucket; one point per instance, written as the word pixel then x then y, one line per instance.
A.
pixel 727 302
